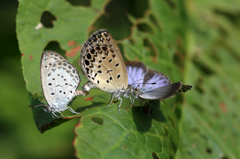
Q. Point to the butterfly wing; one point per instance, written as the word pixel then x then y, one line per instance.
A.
pixel 154 79
pixel 160 92
pixel 136 72
pixel 184 88
pixel 59 79
pixel 102 62
pixel 158 86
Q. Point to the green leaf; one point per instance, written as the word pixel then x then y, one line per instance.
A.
pixel 70 25
pixel 104 133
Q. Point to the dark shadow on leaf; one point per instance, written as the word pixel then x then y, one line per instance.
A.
pixel 44 120
pixel 155 111
pixel 142 116
pixel 142 121
pixel 94 104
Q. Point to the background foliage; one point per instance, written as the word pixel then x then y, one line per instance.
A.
pixel 195 42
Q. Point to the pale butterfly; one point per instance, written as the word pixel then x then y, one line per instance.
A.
pixel 60 81
pixel 151 84
pixel 103 65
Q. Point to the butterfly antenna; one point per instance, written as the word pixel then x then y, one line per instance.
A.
pixel 38 105
pixel 119 104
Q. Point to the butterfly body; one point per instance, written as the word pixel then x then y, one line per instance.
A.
pixel 60 80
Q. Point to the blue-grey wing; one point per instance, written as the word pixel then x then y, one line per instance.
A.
pixel 136 72
pixel 154 79
pixel 161 92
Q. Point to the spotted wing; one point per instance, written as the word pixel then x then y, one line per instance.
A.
pixel 183 89
pixel 102 62
pixel 136 72
pixel 59 79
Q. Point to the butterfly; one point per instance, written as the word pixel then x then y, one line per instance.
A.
pixel 102 63
pixel 151 84
pixel 60 81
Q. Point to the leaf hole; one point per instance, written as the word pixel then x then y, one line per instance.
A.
pixel 203 68
pixel 145 28
pixel 47 19
pixel 149 45
pixel 97 120
pixel 166 131
pixel 85 3
pixel 208 150
pixel 154 155
pixel 54 45
pixel 171 120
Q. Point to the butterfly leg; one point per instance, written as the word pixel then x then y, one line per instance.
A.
pixel 128 96
pixel 79 92
pixel 61 114
pixel 110 101
pixel 119 104
pixel 38 105
pixel 71 110
pixel 150 105
pixel 133 99
pixel 53 114
pixel 130 99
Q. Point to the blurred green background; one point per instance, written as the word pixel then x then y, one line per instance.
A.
pixel 207 55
